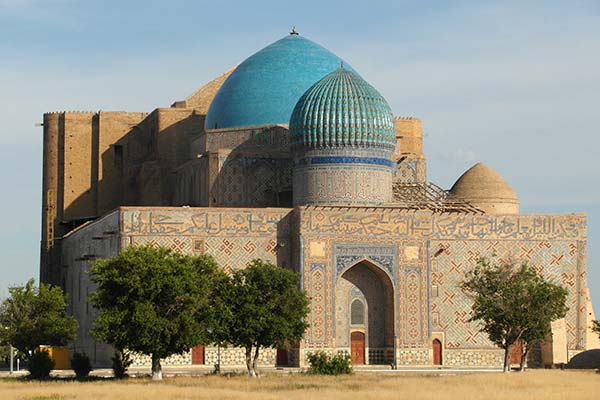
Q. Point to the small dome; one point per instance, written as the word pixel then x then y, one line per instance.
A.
pixel 264 88
pixel 341 110
pixel 485 188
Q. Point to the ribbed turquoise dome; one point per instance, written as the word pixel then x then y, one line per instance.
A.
pixel 342 110
pixel 264 88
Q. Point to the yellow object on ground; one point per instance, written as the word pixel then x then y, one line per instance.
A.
pixel 60 356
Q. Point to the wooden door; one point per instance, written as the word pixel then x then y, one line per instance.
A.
pixel 282 357
pixel 516 353
pixel 198 355
pixel 357 348
pixel 437 352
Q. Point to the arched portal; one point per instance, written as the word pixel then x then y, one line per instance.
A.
pixel 364 302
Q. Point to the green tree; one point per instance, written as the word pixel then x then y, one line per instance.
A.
pixel 4 354
pixel 260 306
pixel 34 316
pixel 513 303
pixel 596 327
pixel 153 301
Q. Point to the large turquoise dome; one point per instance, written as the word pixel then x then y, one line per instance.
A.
pixel 265 87
pixel 342 110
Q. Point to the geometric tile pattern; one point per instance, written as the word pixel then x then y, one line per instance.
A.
pixel 413 334
pixel 417 251
pixel 231 253
pixel 557 261
pixel 317 335
pixel 406 172
pixel 234 238
pixel 435 251
pixel 245 180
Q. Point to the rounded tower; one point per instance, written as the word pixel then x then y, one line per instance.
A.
pixel 342 138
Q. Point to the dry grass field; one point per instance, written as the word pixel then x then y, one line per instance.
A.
pixel 536 384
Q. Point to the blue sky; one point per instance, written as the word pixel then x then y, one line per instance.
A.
pixel 515 84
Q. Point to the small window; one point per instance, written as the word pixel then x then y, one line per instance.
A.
pixel 357 313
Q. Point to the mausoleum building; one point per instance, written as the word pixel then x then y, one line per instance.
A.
pixel 294 158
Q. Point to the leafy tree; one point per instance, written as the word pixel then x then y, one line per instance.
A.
pixel 4 354
pixel 121 361
pixel 81 365
pixel 40 364
pixel 596 326
pixel 153 301
pixel 514 303
pixel 323 364
pixel 260 306
pixel 33 316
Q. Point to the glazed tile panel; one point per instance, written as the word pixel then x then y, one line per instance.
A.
pixel 434 253
pixel 233 237
pixel 559 261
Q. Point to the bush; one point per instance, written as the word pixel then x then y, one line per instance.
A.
pixel 120 362
pixel 40 364
pixel 323 364
pixel 81 365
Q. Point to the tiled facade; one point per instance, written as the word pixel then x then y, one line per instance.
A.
pixel 404 267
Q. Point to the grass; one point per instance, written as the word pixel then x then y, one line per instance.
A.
pixel 534 384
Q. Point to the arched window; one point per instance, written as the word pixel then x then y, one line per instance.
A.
pixel 357 312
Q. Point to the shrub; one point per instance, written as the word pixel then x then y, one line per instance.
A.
pixel 40 364
pixel 81 365
pixel 120 362
pixel 323 364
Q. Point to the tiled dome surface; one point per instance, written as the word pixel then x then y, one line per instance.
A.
pixel 342 110
pixel 264 88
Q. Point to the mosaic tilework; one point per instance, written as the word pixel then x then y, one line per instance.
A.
pixel 319 296
pixel 478 358
pixel 412 330
pixel 558 261
pixel 232 253
pixel 396 224
pixel 342 184
pixel 362 282
pixel 412 169
pixel 142 360
pixel 413 357
pixel 434 252
pixel 383 256
pixel 229 356
pixel 406 172
pixel 412 307
pixel 204 221
pixel 252 181
pixel 232 180
pixel 237 356
pixel 180 244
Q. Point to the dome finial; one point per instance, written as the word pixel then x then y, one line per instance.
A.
pixel 294 31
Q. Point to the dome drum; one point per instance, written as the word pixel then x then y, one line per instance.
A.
pixel 342 137
pixel 329 183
